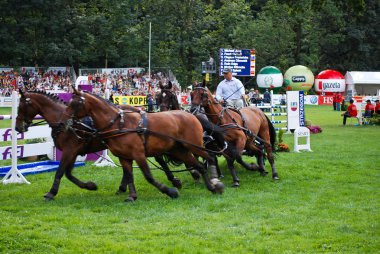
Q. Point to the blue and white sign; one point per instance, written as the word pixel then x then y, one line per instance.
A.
pixel 242 62
pixel 295 109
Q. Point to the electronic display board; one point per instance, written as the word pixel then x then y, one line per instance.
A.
pixel 241 61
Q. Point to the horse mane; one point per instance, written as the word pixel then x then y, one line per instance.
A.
pixel 50 96
pixel 102 99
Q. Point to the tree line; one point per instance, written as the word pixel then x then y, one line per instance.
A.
pixel 336 34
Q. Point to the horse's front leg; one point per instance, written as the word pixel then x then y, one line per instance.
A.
pixel 65 167
pixel 235 179
pixel 248 166
pixel 174 180
pixel 212 183
pixel 232 154
pixel 127 180
pixel 171 192
pixel 260 161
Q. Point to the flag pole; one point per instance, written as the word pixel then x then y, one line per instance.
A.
pixel 150 43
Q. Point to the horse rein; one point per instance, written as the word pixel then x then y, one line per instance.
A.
pixel 220 115
pixel 29 123
pixel 139 130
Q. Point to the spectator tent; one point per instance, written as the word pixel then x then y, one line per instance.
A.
pixel 363 83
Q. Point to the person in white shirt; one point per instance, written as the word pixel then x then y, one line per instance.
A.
pixel 230 91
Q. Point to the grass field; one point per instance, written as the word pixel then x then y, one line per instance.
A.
pixel 327 201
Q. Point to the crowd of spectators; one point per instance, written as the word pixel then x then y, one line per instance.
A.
pixel 30 80
pixel 124 84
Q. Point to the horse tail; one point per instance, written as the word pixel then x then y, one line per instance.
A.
pixel 272 133
pixel 215 131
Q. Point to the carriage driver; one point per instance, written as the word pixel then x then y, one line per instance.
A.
pixel 230 90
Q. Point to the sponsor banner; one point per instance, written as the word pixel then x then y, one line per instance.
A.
pixel 42 131
pixel 295 109
pixel 184 100
pixel 57 69
pixel 301 108
pixel 122 71
pixel 130 100
pixel 311 100
pixel 299 79
pixel 5 69
pixel 325 100
pixel 29 70
pixel 330 85
pixel 5 101
pixel 27 150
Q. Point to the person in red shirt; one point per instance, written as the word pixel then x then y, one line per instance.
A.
pixel 369 109
pixel 377 107
pixel 338 101
pixel 351 112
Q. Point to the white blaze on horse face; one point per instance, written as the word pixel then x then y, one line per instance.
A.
pixel 163 95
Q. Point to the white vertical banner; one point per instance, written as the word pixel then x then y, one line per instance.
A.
pixel 295 109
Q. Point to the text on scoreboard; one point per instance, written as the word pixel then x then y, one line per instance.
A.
pixel 240 61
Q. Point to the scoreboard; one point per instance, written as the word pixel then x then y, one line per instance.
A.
pixel 240 61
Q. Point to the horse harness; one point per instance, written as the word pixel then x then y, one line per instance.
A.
pixel 57 127
pixel 142 129
pixel 259 142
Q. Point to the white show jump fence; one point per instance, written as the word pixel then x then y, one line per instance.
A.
pixel 272 106
pixel 20 151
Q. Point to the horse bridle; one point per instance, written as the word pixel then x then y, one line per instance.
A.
pixel 81 102
pixel 26 119
pixel 204 97
pixel 171 98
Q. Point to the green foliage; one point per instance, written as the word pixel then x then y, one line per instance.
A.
pixel 318 34
pixel 280 134
pixel 375 119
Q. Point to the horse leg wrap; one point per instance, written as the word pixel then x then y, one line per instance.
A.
pixel 213 172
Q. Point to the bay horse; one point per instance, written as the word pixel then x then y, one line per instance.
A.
pixel 243 129
pixel 213 135
pixel 71 141
pixel 134 136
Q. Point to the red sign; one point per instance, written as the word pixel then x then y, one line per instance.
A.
pixel 184 100
pixel 325 100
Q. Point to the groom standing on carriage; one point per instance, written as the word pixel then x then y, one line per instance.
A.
pixel 230 91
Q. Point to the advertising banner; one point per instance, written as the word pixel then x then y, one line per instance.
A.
pixel 295 109
pixel 330 85
pixel 325 100
pixel 130 100
pixel 311 99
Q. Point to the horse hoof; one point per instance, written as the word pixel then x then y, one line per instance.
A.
pixel 264 173
pixel 236 185
pixel 218 185
pixel 196 175
pixel 219 188
pixel 276 178
pixel 177 183
pixel 173 193
pixel 49 197
pixel 130 199
pixel 91 186
pixel 255 167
